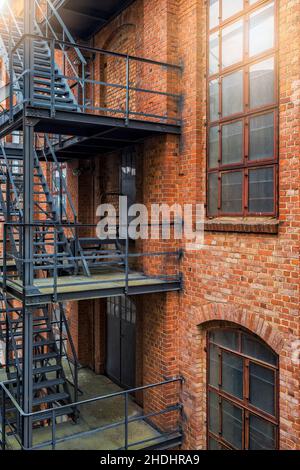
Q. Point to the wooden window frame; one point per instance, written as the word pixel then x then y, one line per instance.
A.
pixel 246 113
pixel 244 404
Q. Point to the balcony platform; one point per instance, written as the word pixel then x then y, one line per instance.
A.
pixel 93 134
pixel 104 283
pixel 86 434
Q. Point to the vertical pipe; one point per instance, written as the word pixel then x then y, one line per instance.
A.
pixel 126 421
pixel 126 261
pixel 3 440
pixel 53 430
pixel 52 84
pixel 28 156
pixel 55 265
pixel 127 90
pixel 83 87
pixel 11 78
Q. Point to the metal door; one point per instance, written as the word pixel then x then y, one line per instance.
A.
pixel 121 341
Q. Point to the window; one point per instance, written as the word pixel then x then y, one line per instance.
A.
pixel 242 150
pixel 59 194
pixel 242 392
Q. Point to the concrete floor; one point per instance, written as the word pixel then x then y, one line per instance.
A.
pixel 94 415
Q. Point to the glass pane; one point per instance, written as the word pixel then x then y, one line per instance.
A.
pixel 232 93
pixel 214 415
pixel 254 348
pixel 261 190
pixel 232 186
pixel 213 13
pixel 232 143
pixel 213 444
pixel 214 53
pixel 226 338
pixel 213 147
pixel 261 137
pixel 213 196
pixel 214 100
pixel 262 434
pixel 262 26
pixel 232 44
pixel 232 424
pixel 262 83
pixel 214 366
pixel 262 388
pixel 230 8
pixel 232 374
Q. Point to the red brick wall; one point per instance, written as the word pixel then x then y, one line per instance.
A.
pixel 250 280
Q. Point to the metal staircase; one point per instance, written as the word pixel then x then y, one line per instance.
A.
pixel 49 85
pixel 51 387
pixel 45 212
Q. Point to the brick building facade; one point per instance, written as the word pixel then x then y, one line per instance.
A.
pixel 244 280
pixel 246 276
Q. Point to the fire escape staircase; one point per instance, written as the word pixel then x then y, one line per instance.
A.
pixel 50 384
pixel 11 32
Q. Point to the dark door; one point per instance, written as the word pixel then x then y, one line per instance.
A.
pixel 121 341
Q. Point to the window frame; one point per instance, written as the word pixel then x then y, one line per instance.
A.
pixel 244 404
pixel 246 113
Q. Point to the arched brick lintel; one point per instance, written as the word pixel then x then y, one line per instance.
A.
pixel 241 317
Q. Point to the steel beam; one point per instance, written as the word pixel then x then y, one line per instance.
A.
pixel 28 151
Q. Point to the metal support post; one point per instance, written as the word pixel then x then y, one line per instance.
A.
pixel 28 151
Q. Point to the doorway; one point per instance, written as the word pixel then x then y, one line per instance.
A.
pixel 121 341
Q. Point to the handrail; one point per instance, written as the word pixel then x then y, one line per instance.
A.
pixel 64 321
pixel 175 407
pixel 104 52
pixel 62 179
pixel 65 29
pixel 55 37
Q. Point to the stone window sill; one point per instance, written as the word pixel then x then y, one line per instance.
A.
pixel 242 225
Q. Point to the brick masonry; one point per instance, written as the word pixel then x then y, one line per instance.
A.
pixel 240 277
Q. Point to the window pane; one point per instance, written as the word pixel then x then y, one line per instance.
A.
pixel 262 24
pixel 261 137
pixel 254 348
pixel 232 44
pixel 226 338
pixel 213 147
pixel 232 374
pixel 232 143
pixel 214 100
pixel 213 196
pixel 213 444
pixel 232 93
pixel 262 83
pixel 213 13
pixel 214 53
pixel 262 388
pixel 262 434
pixel 232 192
pixel 232 424
pixel 214 366
pixel 230 8
pixel 261 190
pixel 214 415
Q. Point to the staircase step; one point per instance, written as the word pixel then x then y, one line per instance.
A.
pixel 46 369
pixel 47 415
pixel 51 398
pixel 35 332
pixel 48 384
pixel 38 344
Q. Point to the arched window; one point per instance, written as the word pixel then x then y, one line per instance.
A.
pixel 242 396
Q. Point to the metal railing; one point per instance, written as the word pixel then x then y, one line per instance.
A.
pixel 126 263
pixel 121 95
pixel 153 418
